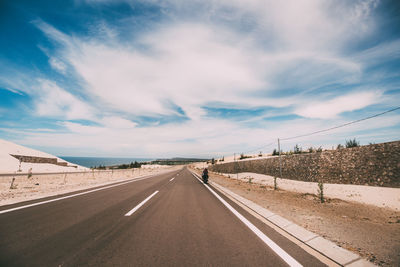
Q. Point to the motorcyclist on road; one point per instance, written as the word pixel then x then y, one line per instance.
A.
pixel 205 176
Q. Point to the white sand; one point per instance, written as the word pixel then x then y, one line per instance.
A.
pixel 45 185
pixel 9 164
pixel 371 195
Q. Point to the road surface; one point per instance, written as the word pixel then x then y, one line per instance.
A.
pixel 170 219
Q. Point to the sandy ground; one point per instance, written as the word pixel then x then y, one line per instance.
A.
pixel 371 195
pixel 39 186
pixel 372 232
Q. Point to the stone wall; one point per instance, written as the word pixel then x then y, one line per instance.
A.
pixel 374 165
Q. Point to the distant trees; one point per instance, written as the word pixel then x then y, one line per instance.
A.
pixel 243 156
pixel 297 149
pixel 123 166
pixel 100 167
pixel 135 165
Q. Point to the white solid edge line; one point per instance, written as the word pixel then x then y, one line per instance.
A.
pixel 74 195
pixel 140 204
pixel 281 253
pixel 172 179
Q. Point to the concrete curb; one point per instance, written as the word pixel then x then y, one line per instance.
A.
pixel 337 254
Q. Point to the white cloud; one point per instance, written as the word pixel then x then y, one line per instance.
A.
pixel 331 108
pixel 305 25
pixel 292 45
pixel 80 129
pixel 117 122
pixel 53 101
pixel 186 64
pixel 57 65
pixel 381 52
pixel 191 65
pixel 167 141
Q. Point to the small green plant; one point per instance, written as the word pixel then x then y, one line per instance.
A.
pixel 311 149
pixel 29 173
pixel 250 180
pixel 321 191
pixel 352 143
pixel 339 146
pixel 243 156
pixel 319 149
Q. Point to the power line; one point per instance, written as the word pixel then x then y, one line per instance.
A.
pixel 325 130
pixel 260 148
pixel 339 126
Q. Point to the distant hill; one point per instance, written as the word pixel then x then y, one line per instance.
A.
pixel 177 161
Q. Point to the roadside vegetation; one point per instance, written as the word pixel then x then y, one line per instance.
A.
pixel 299 150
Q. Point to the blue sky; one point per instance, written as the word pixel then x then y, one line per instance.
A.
pixel 196 78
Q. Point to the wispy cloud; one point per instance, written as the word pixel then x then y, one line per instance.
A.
pixel 211 76
pixel 57 65
pixel 54 101
pixel 332 108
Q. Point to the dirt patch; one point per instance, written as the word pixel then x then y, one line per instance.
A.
pixel 371 232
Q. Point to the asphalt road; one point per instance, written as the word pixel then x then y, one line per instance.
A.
pixel 181 224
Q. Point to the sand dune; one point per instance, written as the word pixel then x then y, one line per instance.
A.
pixel 10 164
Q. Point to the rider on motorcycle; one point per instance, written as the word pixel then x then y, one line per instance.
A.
pixel 205 175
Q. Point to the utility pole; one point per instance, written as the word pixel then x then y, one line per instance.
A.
pixel 236 167
pixel 280 160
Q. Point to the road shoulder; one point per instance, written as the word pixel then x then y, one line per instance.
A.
pixel 371 238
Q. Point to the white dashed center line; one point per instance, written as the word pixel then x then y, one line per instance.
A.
pixel 141 204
